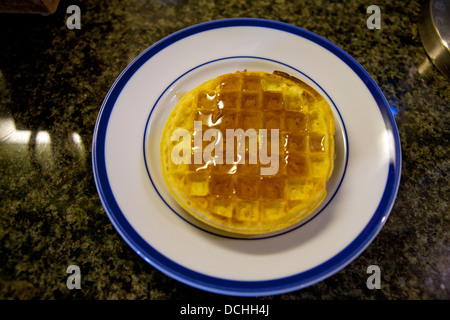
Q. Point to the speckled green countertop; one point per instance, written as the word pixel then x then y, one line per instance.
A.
pixel 53 81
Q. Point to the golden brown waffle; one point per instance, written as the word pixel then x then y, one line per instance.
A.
pixel 237 197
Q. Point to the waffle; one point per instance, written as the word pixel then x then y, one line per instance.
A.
pixel 243 193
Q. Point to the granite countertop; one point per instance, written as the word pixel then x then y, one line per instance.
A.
pixel 52 84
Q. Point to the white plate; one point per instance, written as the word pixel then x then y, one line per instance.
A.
pixel 128 176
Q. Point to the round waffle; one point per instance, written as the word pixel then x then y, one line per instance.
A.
pixel 249 152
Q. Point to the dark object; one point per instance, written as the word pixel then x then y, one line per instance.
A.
pixel 435 34
pixel 29 6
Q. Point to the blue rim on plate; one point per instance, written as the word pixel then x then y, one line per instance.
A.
pixel 232 287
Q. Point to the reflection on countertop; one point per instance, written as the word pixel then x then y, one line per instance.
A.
pixel 52 84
